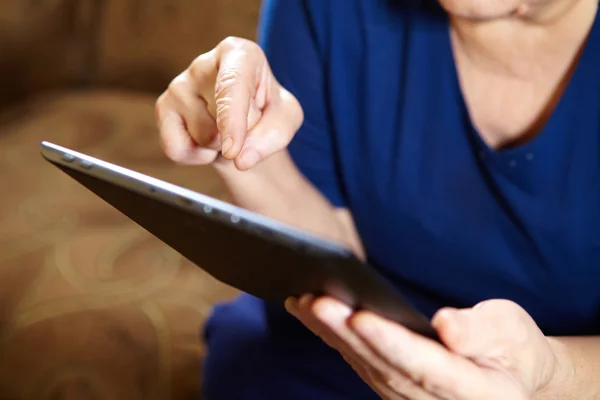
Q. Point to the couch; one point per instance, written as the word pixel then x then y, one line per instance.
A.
pixel 92 306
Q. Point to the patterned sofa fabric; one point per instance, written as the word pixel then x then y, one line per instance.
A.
pixel 92 306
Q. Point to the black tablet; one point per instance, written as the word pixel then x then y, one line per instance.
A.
pixel 245 250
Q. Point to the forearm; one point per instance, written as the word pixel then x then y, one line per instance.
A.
pixel 577 376
pixel 275 188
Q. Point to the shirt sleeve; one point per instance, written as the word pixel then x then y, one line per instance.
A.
pixel 289 39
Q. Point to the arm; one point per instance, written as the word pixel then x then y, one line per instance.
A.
pixel 578 372
pixel 299 185
pixel 277 189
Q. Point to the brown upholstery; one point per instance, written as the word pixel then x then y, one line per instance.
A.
pixel 91 306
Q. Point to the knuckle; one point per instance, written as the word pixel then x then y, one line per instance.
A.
pixel 432 385
pixel 400 384
pixel 298 114
pixel 159 104
pixel 245 51
pixel 293 108
pixel 379 377
pixel 278 140
pixel 200 68
pixel 515 328
pixel 234 42
pixel 159 101
pixel 502 308
pixel 177 86
pixel 510 306
pixel 497 305
pixel 231 42
pixel 395 382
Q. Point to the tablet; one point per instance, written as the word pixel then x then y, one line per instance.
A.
pixel 242 249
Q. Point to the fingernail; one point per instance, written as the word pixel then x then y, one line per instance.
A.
pixel 250 158
pixel 338 310
pixel 332 314
pixel 226 145
pixel 291 306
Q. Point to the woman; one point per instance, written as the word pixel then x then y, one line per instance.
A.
pixel 456 146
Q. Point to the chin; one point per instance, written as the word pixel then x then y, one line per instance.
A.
pixel 481 9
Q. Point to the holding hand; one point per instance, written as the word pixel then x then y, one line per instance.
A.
pixel 494 351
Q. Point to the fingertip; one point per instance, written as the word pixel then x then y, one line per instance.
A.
pixel 227 144
pixel 178 146
pixel 175 140
pixel 178 151
pixel 442 317
pixel 330 311
pixel 303 304
pixel 447 323
pixel 292 306
pixel 247 159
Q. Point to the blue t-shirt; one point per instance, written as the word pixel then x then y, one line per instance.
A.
pixel 451 221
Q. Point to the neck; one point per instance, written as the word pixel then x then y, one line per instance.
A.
pixel 539 35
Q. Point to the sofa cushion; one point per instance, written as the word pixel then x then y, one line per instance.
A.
pixel 92 306
pixel 144 44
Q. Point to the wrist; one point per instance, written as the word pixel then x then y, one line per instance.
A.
pixel 563 371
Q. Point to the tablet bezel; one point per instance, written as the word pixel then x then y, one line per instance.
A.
pixel 180 197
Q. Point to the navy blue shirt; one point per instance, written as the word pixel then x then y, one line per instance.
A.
pixel 450 220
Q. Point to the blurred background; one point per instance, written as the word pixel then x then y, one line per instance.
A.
pixel 91 306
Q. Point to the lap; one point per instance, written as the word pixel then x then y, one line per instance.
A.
pixel 247 360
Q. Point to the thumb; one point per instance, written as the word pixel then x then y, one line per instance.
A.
pixel 472 332
pixel 273 132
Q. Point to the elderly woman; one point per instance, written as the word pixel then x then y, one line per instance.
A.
pixel 455 144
